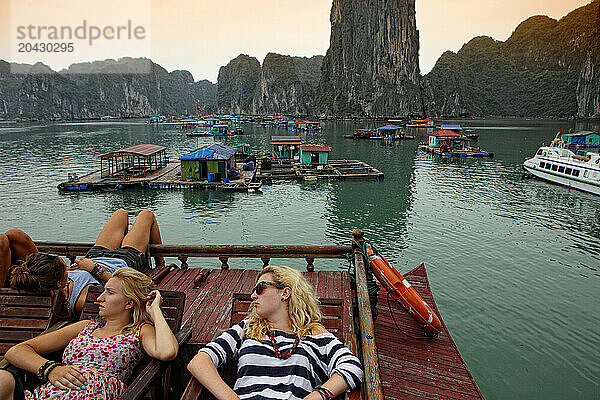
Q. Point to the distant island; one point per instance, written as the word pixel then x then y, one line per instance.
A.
pixel 545 69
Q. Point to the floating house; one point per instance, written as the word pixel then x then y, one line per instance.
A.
pixel 307 126
pixel 469 133
pixel 220 129
pixel 212 163
pixel 581 139
pixel 286 146
pixel 314 155
pixel 134 161
pixel 447 143
pixel 388 132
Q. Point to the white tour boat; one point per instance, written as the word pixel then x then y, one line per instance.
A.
pixel 556 163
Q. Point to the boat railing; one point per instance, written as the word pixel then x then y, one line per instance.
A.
pixel 222 252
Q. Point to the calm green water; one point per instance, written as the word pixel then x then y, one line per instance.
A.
pixel 514 263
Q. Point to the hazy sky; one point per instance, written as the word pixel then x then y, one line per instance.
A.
pixel 201 35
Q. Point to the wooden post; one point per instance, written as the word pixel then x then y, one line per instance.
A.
pixel 183 260
pixel 373 384
pixel 310 266
pixel 224 264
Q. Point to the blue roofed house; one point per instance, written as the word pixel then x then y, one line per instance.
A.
pixel 212 163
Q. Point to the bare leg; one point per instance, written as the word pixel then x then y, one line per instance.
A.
pixel 114 230
pixel 7 385
pixel 144 231
pixel 21 245
pixel 4 258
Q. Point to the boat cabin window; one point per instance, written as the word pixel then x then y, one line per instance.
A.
pixel 539 153
pixel 568 171
pixel 542 164
pixel 561 169
pixel 576 172
pixel 585 173
pixel 548 165
pixel 554 167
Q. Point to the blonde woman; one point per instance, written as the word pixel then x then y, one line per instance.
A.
pixel 282 349
pixel 100 355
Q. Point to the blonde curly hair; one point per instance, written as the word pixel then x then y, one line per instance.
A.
pixel 135 286
pixel 302 305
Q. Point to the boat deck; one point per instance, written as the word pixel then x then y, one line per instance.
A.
pixel 413 368
pixel 410 368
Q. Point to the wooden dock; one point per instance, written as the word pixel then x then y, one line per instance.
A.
pixel 167 178
pixel 396 366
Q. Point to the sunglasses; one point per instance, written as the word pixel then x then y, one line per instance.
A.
pixel 260 286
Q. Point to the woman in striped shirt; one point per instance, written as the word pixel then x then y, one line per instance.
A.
pixel 282 349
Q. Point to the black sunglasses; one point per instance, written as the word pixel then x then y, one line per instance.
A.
pixel 260 286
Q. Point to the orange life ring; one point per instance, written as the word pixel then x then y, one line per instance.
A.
pixel 404 292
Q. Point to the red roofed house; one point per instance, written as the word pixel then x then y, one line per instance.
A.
pixel 446 139
pixel 314 155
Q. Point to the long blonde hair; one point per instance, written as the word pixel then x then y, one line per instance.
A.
pixel 135 286
pixel 302 305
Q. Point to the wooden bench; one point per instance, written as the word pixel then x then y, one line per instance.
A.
pixel 333 320
pixel 25 315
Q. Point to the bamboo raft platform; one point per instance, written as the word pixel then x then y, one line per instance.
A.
pixel 396 367
pixel 287 169
pixel 167 178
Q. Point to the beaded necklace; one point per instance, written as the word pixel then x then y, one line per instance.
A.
pixel 278 354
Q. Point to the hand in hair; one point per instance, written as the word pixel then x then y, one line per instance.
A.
pixel 67 377
pixel 153 301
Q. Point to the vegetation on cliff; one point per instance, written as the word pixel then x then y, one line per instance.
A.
pixel 535 72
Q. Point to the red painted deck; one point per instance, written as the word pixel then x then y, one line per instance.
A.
pixel 411 369
pixel 210 304
pixel 419 369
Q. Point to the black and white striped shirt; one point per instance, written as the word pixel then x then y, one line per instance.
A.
pixel 261 375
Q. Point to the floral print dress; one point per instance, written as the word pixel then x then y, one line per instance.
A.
pixel 104 362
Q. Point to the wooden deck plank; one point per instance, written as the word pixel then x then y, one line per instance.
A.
pixel 419 369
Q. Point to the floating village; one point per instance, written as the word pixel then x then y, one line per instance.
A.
pixel 293 155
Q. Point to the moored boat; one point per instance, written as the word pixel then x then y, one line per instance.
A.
pixel 557 164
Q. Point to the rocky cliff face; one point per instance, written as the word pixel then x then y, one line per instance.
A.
pixel 236 84
pixel 282 85
pixel 92 90
pixel 372 65
pixel 546 68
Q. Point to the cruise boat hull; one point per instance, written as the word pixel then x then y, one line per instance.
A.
pixel 558 164
pixel 586 187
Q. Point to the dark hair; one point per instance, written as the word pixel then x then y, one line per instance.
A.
pixel 40 272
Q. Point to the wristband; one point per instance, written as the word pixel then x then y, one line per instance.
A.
pixel 325 393
pixel 50 368
pixel 40 373
pixel 97 272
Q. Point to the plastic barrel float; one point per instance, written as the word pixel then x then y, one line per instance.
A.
pixel 401 290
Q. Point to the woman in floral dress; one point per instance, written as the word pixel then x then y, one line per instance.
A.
pixel 100 355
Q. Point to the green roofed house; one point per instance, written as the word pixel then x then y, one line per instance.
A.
pixel 314 155
pixel 581 139
pixel 210 163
